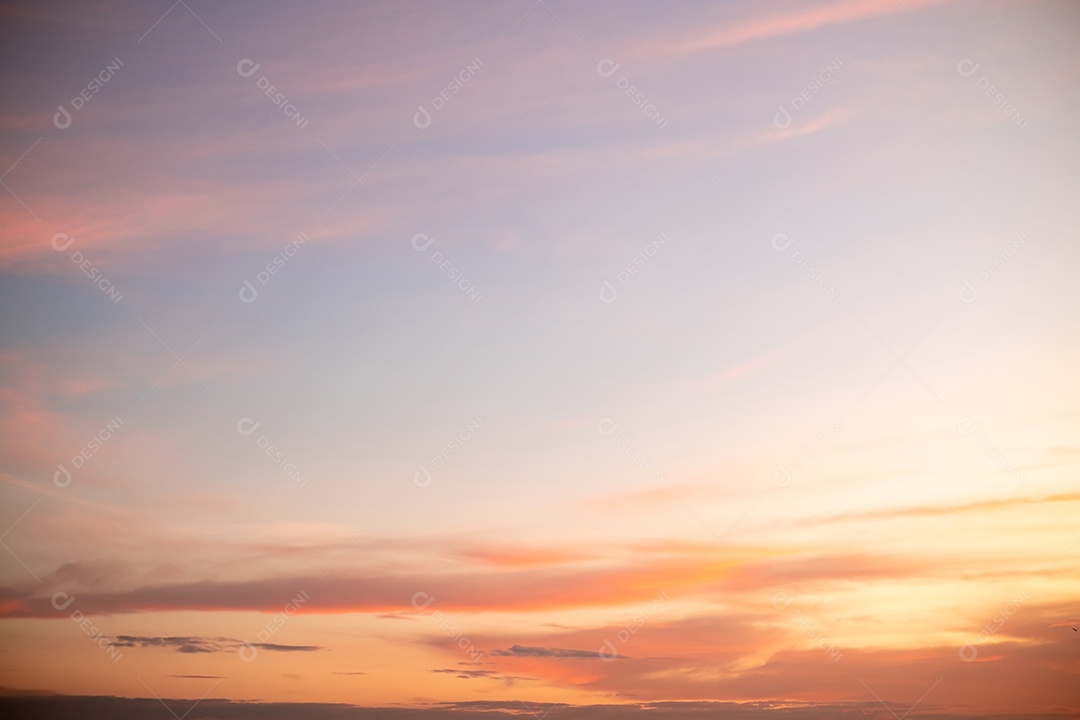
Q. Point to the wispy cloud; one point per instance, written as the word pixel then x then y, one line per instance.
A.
pixel 783 24
pixel 198 645
pixel 545 652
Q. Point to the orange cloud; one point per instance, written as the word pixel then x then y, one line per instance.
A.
pixel 525 581
pixel 939 510
pixel 755 655
pixel 522 557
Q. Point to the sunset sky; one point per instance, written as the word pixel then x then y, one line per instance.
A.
pixel 533 358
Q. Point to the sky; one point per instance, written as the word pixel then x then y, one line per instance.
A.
pixel 610 359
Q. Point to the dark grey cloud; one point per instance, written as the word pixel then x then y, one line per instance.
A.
pixel 526 651
pixel 481 675
pixel 467 674
pixel 183 644
pixel 286 648
pixel 193 645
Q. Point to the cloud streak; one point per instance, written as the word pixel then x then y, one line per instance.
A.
pixel 200 645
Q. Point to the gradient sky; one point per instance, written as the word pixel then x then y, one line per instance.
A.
pixel 431 354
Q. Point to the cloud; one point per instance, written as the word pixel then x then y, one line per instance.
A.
pixel 70 706
pixel 481 675
pixel 466 674
pixel 720 379
pixel 506 591
pixel 767 653
pixel 936 510
pixel 518 557
pixel 286 648
pixel 524 651
pixel 677 568
pixel 199 645
pixel 783 23
pixel 188 645
pixel 649 498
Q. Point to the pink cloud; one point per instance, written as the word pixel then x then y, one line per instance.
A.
pixel 783 24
